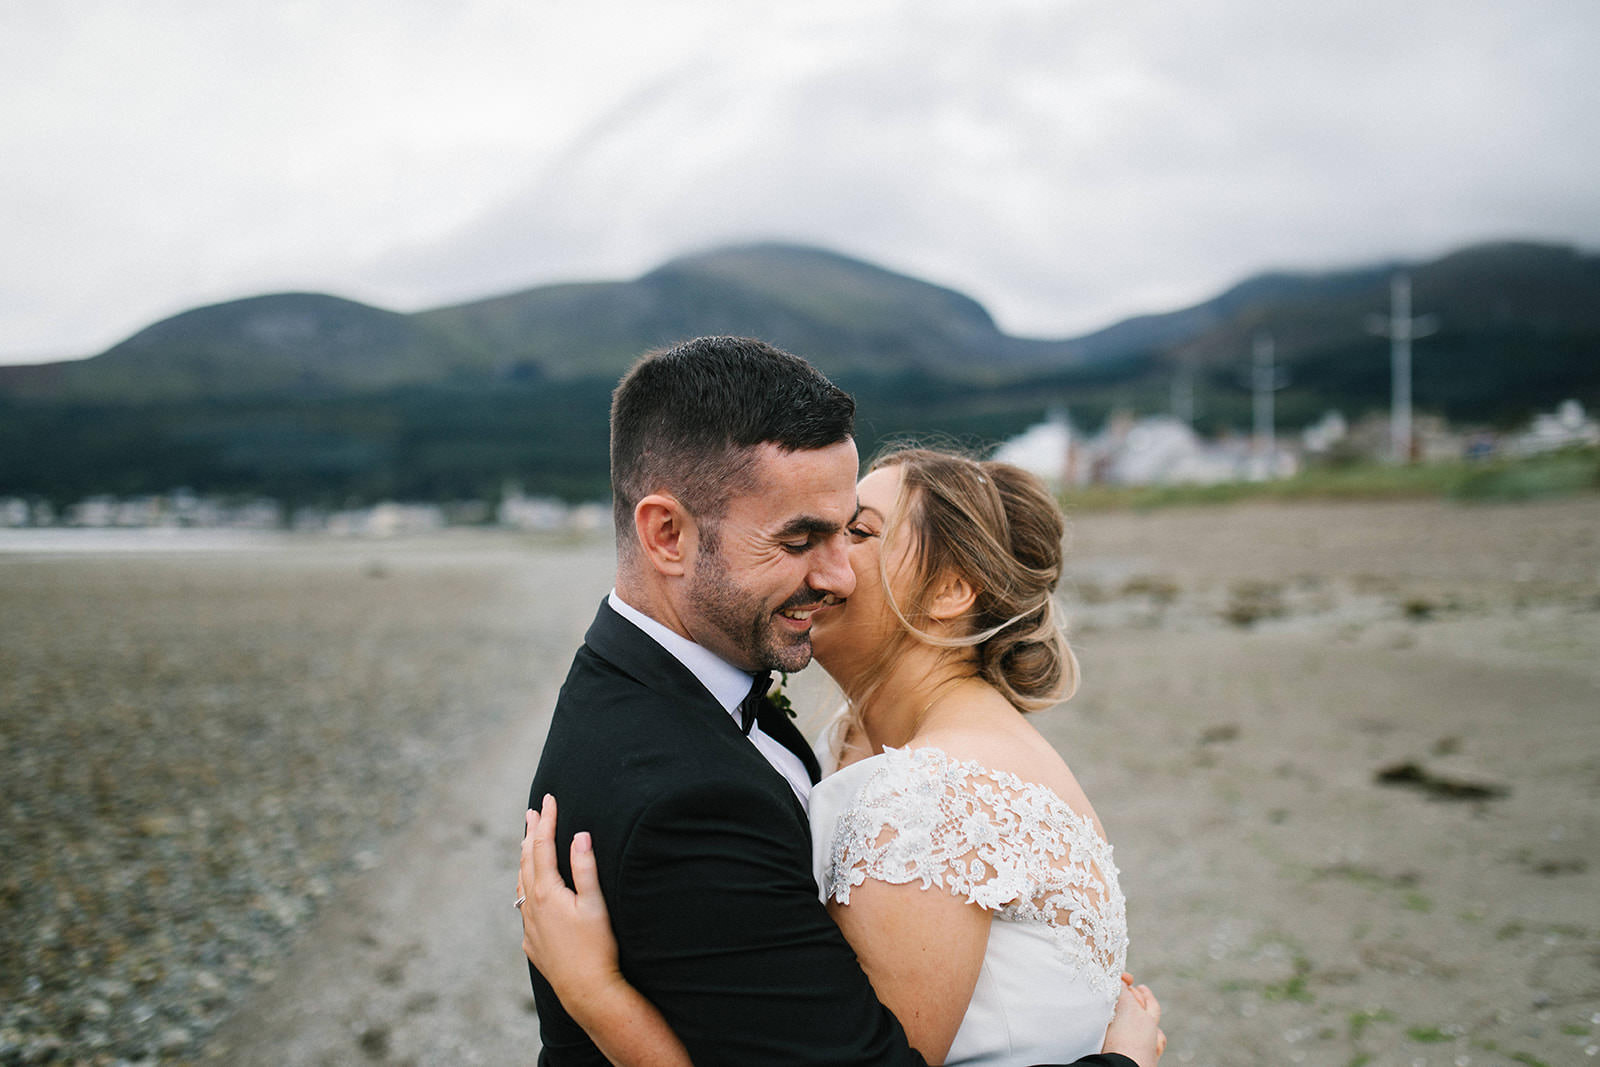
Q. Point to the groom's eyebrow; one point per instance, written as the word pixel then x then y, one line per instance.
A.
pixel 808 526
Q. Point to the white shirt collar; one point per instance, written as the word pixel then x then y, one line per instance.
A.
pixel 727 683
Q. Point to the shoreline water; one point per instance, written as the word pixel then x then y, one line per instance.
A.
pixel 61 540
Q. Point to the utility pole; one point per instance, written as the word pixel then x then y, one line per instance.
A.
pixel 1401 329
pixel 1265 379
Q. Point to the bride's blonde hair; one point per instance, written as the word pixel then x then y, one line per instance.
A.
pixel 997 526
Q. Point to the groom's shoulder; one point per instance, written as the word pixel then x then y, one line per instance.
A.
pixel 606 696
pixel 606 716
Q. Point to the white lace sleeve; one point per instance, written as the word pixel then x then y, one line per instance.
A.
pixel 1009 846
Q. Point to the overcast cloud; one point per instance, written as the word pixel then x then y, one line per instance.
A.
pixel 1066 163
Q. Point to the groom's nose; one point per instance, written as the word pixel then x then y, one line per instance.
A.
pixel 830 569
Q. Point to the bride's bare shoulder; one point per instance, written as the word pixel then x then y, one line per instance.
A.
pixel 988 730
pixel 1024 753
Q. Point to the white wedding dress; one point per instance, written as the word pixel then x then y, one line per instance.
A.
pixel 1058 939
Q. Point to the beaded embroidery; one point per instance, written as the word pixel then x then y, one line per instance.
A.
pixel 1012 847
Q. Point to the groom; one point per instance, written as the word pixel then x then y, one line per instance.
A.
pixel 733 477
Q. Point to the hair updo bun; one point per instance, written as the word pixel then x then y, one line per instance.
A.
pixel 1029 659
pixel 999 527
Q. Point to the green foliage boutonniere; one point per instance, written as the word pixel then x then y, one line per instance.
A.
pixel 779 698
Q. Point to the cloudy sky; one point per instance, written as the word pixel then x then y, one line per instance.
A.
pixel 1067 162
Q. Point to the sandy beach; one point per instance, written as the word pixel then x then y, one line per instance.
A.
pixel 261 800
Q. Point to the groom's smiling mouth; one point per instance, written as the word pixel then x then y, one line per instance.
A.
pixel 802 613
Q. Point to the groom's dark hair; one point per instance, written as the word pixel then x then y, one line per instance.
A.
pixel 685 419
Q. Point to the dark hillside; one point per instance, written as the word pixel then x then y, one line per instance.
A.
pixel 286 342
pixel 310 397
pixel 842 313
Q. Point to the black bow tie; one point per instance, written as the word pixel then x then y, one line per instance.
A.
pixel 752 701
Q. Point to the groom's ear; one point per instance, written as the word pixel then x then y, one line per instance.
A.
pixel 665 531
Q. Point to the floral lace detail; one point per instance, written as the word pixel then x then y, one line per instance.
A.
pixel 1009 846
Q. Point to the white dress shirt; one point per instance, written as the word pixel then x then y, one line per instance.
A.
pixel 727 683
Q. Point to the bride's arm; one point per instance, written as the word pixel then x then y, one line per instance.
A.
pixel 923 950
pixel 567 936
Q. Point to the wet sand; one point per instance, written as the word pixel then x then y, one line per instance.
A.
pixel 263 803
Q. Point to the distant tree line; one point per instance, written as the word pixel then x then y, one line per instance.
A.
pixel 467 439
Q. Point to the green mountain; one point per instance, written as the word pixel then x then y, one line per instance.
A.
pixel 1516 328
pixel 840 312
pixel 312 398
pixel 846 314
pixel 850 317
pixel 285 342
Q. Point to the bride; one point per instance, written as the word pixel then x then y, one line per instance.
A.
pixel 952 844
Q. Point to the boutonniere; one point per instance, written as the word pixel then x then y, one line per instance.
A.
pixel 779 698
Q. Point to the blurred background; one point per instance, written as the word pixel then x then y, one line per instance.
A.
pixel 309 319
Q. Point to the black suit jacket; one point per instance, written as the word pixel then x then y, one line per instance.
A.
pixel 704 855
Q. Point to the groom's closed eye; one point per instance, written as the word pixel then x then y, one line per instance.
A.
pixel 801 533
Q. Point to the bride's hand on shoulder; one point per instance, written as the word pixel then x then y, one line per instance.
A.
pixel 1135 1030
pixel 566 934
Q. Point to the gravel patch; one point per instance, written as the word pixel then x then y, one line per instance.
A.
pixel 200 750
pixel 205 754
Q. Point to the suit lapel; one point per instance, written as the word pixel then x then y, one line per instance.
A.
pixel 632 651
pixel 777 725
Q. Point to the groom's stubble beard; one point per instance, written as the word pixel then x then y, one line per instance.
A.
pixel 744 618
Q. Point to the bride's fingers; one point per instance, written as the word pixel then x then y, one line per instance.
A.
pixel 1151 1004
pixel 1139 993
pixel 526 871
pixel 585 878
pixel 546 876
